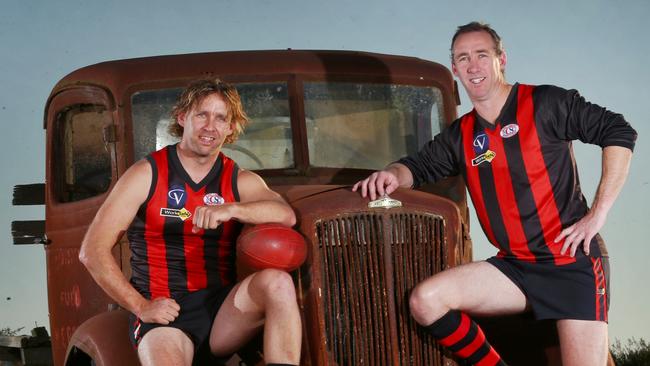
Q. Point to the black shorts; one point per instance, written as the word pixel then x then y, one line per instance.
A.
pixel 198 310
pixel 579 290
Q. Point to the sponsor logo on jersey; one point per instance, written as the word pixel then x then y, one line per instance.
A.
pixel 182 214
pixel 213 199
pixel 509 130
pixel 487 156
pixel 481 143
pixel 176 197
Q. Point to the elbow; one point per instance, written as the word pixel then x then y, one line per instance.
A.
pixel 288 216
pixel 84 255
pixel 290 220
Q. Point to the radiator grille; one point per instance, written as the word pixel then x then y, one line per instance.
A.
pixel 369 263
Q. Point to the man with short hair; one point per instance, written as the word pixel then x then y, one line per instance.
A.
pixel 514 151
pixel 182 207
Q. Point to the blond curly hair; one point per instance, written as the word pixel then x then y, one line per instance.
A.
pixel 199 90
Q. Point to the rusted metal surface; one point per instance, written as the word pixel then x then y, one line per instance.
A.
pixel 367 277
pixel 103 338
pixel 122 75
pixel 362 265
pixel 354 293
pixel 418 250
pixel 73 296
pixel 122 78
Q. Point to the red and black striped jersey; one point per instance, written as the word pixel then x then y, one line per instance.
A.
pixel 166 257
pixel 521 171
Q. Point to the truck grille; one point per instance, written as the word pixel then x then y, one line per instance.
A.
pixel 369 263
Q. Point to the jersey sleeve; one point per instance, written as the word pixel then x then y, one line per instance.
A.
pixel 571 117
pixel 437 159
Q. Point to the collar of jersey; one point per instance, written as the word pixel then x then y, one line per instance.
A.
pixel 512 97
pixel 176 163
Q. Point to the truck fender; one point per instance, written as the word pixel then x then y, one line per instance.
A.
pixel 103 341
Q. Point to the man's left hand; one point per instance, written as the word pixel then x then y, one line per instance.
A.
pixel 581 233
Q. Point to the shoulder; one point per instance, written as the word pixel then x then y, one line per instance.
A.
pixel 140 169
pixel 253 188
pixel 162 153
pixel 248 178
pixel 137 178
pixel 227 164
pixel 454 130
pixel 553 93
pixel 454 127
pixel 130 191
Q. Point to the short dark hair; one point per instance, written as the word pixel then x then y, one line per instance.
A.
pixel 199 90
pixel 477 27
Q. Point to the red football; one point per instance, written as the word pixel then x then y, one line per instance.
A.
pixel 271 246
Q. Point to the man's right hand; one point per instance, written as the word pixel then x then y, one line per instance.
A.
pixel 161 310
pixel 378 184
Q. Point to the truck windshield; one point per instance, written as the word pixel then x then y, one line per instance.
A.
pixel 349 125
pixel 366 126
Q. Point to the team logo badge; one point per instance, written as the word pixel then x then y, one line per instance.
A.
pixel 487 156
pixel 182 214
pixel 176 197
pixel 481 143
pixel 213 199
pixel 509 130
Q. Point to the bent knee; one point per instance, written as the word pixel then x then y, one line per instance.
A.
pixel 276 284
pixel 419 304
pixel 164 342
pixel 426 304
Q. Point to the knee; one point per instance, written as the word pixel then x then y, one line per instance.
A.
pixel 422 304
pixel 164 343
pixel 277 285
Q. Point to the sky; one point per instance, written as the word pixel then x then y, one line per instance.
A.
pixel 599 47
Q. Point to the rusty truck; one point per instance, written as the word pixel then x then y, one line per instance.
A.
pixel 320 121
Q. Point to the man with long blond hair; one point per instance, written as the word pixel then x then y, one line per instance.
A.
pixel 182 207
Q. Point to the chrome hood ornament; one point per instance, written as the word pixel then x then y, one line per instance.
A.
pixel 384 202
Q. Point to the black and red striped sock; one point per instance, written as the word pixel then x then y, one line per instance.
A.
pixel 456 331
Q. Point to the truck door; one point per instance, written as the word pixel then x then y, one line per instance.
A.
pixel 81 166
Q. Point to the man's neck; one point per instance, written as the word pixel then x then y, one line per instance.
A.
pixel 491 107
pixel 196 166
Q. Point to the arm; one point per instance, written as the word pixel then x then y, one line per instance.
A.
pixel 615 165
pixel 258 204
pixel 436 160
pixel 385 182
pixel 572 117
pixel 112 219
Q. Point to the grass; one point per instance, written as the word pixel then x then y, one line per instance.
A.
pixel 636 352
pixel 6 331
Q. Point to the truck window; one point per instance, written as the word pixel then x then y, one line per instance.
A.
pixel 366 126
pixel 82 158
pixel 265 144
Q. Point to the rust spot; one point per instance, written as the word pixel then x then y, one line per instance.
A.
pixel 65 257
pixel 71 298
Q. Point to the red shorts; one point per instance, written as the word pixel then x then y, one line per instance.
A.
pixel 579 290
